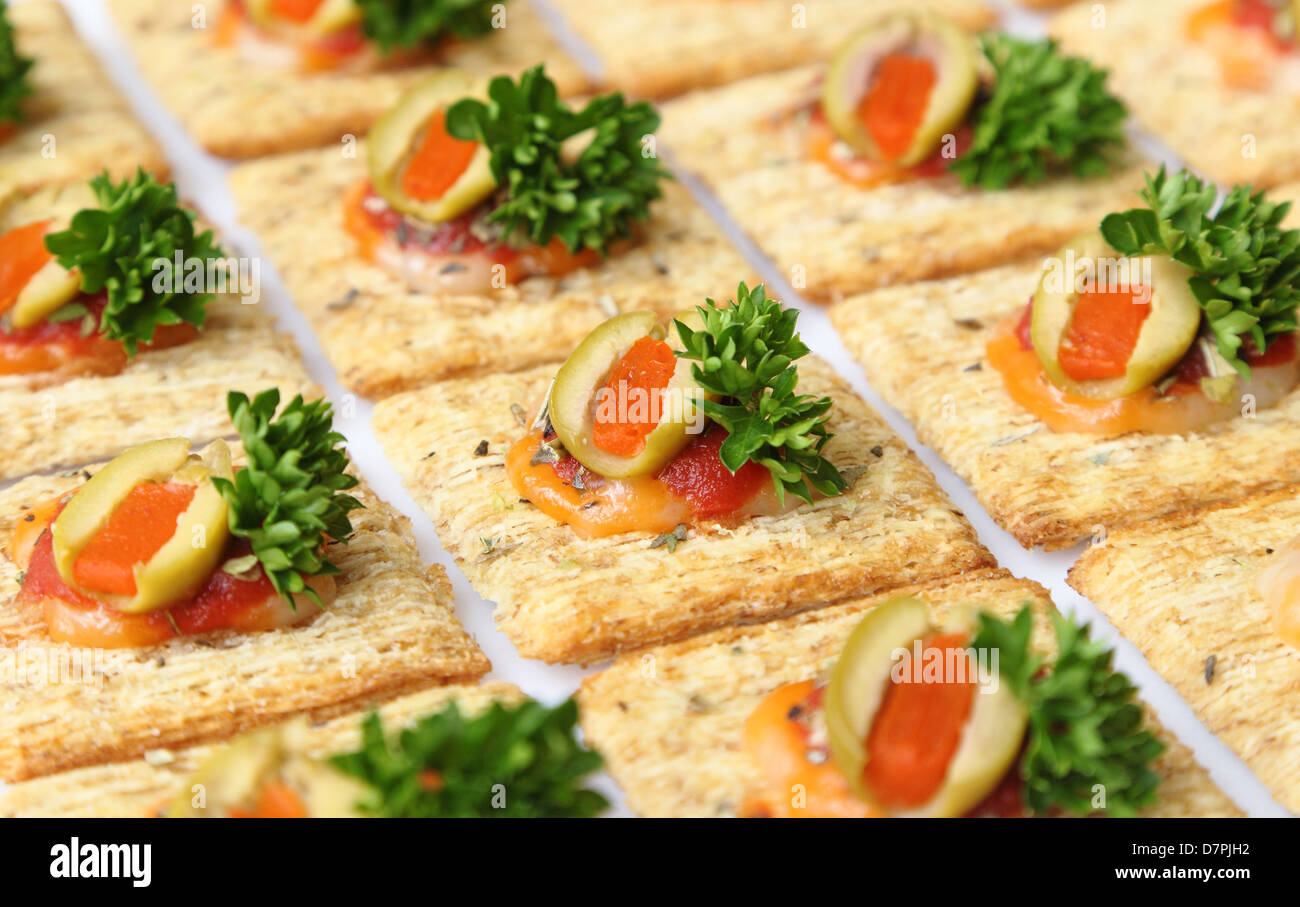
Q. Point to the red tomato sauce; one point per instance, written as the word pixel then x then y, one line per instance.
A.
pixel 698 476
pixel 223 602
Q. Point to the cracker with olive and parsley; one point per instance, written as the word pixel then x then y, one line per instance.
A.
pixel 683 44
pixel 357 617
pixel 471 236
pixel 759 720
pixel 1215 79
pixel 61 119
pixel 1208 597
pixel 96 354
pixel 138 788
pixel 797 496
pixel 1083 412
pixel 953 154
pixel 255 77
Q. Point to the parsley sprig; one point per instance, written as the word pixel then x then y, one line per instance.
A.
pixel 126 247
pixel 587 201
pixel 1085 729
pixel 511 762
pixel 288 500
pixel 1247 267
pixel 14 68
pixel 415 23
pixel 745 355
pixel 1046 111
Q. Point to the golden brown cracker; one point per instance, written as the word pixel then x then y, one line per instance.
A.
pixel 669 721
pixel 922 347
pixel 1175 88
pixel 830 238
pixel 1185 590
pixel 76 124
pixel 564 599
pixel 238 108
pixel 384 338
pixel 657 48
pixel 138 788
pixel 391 631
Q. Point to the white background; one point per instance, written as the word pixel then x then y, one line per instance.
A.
pixel 202 180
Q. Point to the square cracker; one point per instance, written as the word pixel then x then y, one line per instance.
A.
pixel 922 347
pixel 392 630
pixel 76 123
pixel 1183 589
pixel 383 338
pixel 830 238
pixel 240 109
pixel 685 44
pixel 176 391
pixel 669 722
pixel 136 789
pixel 564 599
pixel 1174 88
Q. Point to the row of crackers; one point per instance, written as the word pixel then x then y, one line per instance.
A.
pixel 385 341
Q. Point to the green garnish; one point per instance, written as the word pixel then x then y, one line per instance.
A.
pixel 127 248
pixel 1046 111
pixel 1247 267
pixel 416 23
pixel 14 68
pixel 745 356
pixel 288 500
pixel 586 201
pixel 1085 729
pixel 508 761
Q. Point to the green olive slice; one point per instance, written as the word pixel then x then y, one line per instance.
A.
pixel 849 77
pixel 861 677
pixel 990 741
pixel 184 562
pixel 231 777
pixel 573 400
pixel 90 508
pixel 393 140
pixel 334 15
pixel 1167 333
pixel 50 288
pixel 989 746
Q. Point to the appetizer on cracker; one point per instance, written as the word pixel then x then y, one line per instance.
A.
pixel 256 77
pixel 923 721
pixel 465 196
pixel 356 35
pixel 103 277
pixel 517 760
pixel 914 151
pixel 1166 320
pixel 643 432
pixel 162 543
pixel 671 476
pixel 966 695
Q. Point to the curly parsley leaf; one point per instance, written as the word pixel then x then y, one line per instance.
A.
pixel 508 761
pixel 1046 111
pixel 586 200
pixel 14 85
pixel 1247 267
pixel 745 354
pixel 288 500
pixel 1085 727
pixel 416 23
pixel 127 248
